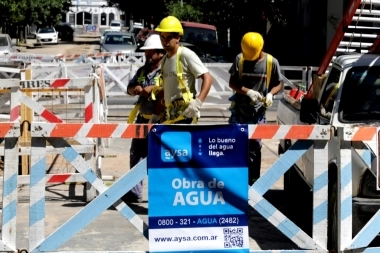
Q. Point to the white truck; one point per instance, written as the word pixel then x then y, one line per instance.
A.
pixel 349 95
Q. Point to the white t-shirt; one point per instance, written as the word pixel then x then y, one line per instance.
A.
pixel 192 68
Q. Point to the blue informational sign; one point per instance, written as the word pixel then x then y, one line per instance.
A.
pixel 198 188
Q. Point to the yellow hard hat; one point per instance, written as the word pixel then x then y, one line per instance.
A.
pixel 251 45
pixel 170 24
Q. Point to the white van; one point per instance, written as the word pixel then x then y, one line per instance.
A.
pixel 115 25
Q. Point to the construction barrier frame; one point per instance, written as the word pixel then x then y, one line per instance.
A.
pixel 20 93
pixel 56 132
pixel 364 141
pixel 307 136
pixel 61 66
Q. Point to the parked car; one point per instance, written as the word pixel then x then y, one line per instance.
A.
pixel 6 44
pixel 65 31
pixel 115 25
pixel 118 42
pixel 47 35
pixel 104 34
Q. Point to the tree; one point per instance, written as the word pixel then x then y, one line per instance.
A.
pixel 141 9
pixel 239 16
pixel 23 12
pixel 46 13
pixel 183 11
pixel 11 11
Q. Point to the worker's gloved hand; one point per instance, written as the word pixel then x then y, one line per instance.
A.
pixel 154 119
pixel 254 95
pixel 268 100
pixel 193 108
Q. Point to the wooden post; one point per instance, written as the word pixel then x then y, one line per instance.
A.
pixel 26 115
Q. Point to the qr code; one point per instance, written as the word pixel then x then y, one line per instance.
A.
pixel 233 237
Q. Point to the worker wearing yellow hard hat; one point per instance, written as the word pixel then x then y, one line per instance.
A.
pixel 180 68
pixel 251 46
pixel 255 78
pixel 170 24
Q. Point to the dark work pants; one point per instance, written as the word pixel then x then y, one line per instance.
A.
pixel 254 146
pixel 138 151
pixel 254 164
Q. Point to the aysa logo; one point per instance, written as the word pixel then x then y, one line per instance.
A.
pixel 176 147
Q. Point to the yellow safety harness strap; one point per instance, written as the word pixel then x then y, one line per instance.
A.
pixel 135 110
pixel 186 94
pixel 268 75
pixel 241 63
pixel 146 116
pixel 269 68
pixel 155 90
pixel 133 113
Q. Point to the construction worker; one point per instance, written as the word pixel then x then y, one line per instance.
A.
pixel 255 77
pixel 179 70
pixel 142 85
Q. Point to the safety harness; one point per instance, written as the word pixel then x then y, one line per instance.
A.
pixel 135 110
pixel 267 80
pixel 269 69
pixel 174 109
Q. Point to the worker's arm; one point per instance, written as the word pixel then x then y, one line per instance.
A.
pixel 233 83
pixel 276 89
pixel 252 94
pixel 276 79
pixel 147 90
pixel 134 88
pixel 234 77
pixel 206 86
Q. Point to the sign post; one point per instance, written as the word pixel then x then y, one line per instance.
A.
pixel 198 188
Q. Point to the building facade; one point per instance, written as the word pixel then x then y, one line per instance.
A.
pixel 92 12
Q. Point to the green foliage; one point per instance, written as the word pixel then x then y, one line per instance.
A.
pixel 12 11
pixel 184 11
pixel 228 12
pixel 43 12
pixel 46 12
pixel 222 13
pixel 141 9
